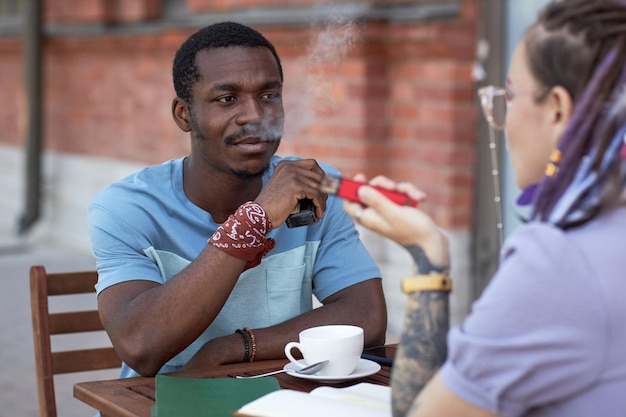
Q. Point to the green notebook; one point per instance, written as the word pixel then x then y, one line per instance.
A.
pixel 214 397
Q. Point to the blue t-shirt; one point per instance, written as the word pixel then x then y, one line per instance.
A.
pixel 548 336
pixel 145 228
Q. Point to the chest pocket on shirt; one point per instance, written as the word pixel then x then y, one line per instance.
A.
pixel 287 292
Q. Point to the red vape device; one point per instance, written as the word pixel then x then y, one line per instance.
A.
pixel 345 188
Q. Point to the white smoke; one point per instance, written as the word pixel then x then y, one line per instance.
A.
pixel 311 91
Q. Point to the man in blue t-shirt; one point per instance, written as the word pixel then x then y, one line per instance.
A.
pixel 169 299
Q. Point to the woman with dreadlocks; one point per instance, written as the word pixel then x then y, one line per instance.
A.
pixel 548 335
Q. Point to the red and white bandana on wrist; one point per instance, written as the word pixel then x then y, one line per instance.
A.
pixel 242 235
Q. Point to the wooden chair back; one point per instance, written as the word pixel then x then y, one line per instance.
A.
pixel 45 324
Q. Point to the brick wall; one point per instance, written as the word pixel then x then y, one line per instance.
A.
pixel 100 11
pixel 393 98
pixel 12 119
pixel 111 97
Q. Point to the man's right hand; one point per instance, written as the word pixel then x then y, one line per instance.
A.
pixel 292 181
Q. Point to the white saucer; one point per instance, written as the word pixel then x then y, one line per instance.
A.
pixel 364 368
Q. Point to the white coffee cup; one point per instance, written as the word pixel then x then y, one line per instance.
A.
pixel 341 345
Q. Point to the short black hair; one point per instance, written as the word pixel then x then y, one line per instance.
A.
pixel 219 35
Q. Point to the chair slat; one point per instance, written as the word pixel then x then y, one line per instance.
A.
pixel 84 360
pixel 72 283
pixel 74 322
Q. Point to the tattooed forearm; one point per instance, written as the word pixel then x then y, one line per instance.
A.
pixel 424 266
pixel 422 349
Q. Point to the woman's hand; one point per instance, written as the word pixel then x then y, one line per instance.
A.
pixel 404 225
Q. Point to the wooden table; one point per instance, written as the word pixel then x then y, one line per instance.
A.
pixel 134 397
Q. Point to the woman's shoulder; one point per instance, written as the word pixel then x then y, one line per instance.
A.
pixel 602 233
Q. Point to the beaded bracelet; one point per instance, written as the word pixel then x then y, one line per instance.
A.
pixel 246 356
pixel 253 342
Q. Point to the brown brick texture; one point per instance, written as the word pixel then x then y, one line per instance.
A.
pixel 379 97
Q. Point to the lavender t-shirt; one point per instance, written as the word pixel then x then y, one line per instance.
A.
pixel 548 335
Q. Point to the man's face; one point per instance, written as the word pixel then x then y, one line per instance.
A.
pixel 237 112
